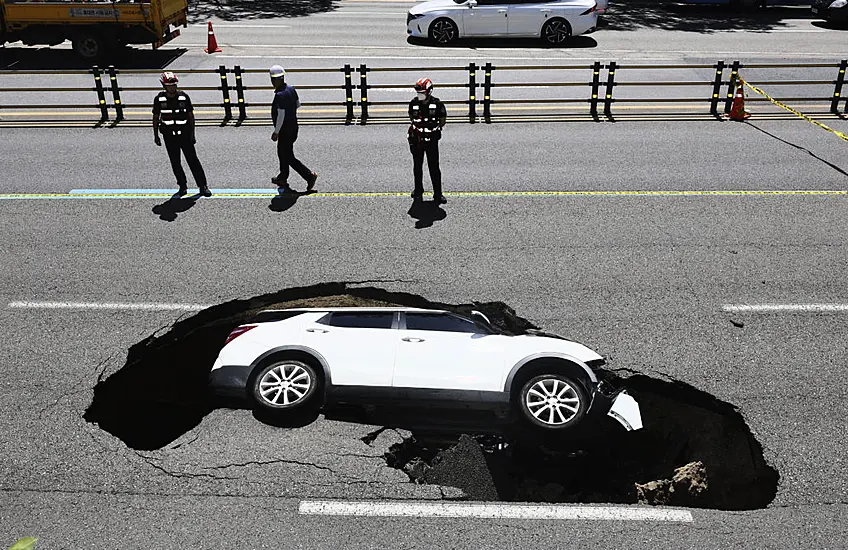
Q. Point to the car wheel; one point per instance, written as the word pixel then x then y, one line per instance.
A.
pixel 443 31
pixel 285 385
pixel 556 31
pixel 553 402
pixel 88 45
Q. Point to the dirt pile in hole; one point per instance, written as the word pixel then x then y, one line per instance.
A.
pixel 160 392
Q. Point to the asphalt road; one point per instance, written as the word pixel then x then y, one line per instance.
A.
pixel 642 278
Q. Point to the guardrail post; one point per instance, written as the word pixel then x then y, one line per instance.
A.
pixel 487 92
pixel 101 94
pixel 719 67
pixel 242 106
pixel 348 87
pixel 596 82
pixel 116 94
pixel 472 92
pixel 363 92
pixel 731 86
pixel 610 85
pixel 837 91
pixel 225 92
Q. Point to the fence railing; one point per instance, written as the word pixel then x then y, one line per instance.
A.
pixel 484 92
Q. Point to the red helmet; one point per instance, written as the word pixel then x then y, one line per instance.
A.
pixel 424 86
pixel 168 78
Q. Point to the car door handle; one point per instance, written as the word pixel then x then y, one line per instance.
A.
pixel 409 339
pixel 319 330
pixel 546 11
pixel 501 11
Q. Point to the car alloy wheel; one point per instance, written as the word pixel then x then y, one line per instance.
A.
pixel 556 31
pixel 284 385
pixel 443 31
pixel 552 401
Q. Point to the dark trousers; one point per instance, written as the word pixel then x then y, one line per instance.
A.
pixel 176 143
pixel 285 151
pixel 419 150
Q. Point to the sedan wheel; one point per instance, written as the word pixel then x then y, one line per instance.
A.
pixel 553 402
pixel 443 31
pixel 286 384
pixel 556 31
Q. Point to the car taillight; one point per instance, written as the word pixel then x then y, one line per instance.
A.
pixel 590 10
pixel 238 331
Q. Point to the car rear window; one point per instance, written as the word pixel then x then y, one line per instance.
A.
pixel 360 320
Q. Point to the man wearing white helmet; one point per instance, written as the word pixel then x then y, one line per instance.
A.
pixel 173 116
pixel 284 117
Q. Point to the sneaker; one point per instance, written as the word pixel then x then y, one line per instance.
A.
pixel 440 199
pixel 182 191
pixel 205 191
pixel 310 183
pixel 277 180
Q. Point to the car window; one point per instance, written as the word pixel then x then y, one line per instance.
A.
pixel 360 319
pixel 492 2
pixel 442 322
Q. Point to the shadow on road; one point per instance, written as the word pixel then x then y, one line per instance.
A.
pixel 173 207
pixel 284 201
pixel 629 16
pixel 234 10
pixel 575 42
pixel 33 58
pixel 426 213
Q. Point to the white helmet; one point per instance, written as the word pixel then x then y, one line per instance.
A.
pixel 277 71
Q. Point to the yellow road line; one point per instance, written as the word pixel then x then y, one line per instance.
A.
pixel 271 194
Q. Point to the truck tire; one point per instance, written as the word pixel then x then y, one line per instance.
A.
pixel 89 45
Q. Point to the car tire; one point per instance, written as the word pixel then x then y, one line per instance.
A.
pixel 89 45
pixel 443 31
pixel 556 31
pixel 552 402
pixel 285 385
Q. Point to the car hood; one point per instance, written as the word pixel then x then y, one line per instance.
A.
pixel 431 5
pixel 531 344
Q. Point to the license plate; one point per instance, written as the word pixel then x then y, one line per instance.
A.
pixel 815 10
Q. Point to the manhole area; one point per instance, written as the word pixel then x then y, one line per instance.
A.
pixel 695 450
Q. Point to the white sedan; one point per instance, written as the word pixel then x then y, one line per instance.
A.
pixel 444 21
pixel 305 359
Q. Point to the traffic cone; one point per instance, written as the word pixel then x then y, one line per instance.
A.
pixel 737 110
pixel 211 43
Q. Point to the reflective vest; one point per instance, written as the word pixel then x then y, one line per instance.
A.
pixel 173 113
pixel 425 117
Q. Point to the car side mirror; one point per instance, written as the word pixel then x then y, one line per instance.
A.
pixel 476 314
pixel 472 3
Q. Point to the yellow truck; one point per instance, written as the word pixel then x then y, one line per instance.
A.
pixel 94 28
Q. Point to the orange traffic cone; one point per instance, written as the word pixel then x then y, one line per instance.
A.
pixel 211 43
pixel 737 110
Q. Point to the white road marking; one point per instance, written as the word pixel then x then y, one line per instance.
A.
pixel 785 308
pixel 108 306
pixel 491 511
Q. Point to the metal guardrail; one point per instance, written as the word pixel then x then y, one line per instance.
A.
pixel 603 84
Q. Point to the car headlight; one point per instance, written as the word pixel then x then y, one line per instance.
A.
pixel 838 4
pixel 411 16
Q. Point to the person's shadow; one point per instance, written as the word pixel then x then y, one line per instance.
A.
pixel 284 201
pixel 426 213
pixel 169 209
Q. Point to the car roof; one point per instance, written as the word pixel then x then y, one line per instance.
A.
pixel 354 309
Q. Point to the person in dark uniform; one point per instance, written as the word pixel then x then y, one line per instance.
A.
pixel 428 116
pixel 284 117
pixel 173 115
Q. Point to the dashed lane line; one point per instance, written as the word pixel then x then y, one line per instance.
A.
pixel 108 306
pixel 491 511
pixel 267 193
pixel 785 308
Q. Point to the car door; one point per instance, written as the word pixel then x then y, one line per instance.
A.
pixel 443 351
pixel 487 18
pixel 359 346
pixel 526 17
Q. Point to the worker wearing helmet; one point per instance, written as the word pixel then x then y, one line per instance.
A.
pixel 428 116
pixel 284 117
pixel 173 116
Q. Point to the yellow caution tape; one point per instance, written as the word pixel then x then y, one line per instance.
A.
pixel 793 111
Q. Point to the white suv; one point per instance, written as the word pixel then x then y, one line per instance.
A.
pixel 297 359
pixel 443 21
